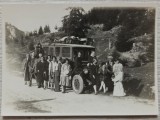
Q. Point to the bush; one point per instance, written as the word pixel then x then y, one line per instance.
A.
pixel 31 46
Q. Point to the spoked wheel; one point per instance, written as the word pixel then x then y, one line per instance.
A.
pixel 77 84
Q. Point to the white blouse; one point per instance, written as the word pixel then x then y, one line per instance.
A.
pixel 53 66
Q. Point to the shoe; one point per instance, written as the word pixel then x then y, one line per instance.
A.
pixel 95 93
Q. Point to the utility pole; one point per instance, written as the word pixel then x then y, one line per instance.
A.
pixel 109 45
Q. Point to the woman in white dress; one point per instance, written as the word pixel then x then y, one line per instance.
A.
pixel 53 67
pixel 65 75
pixel 118 86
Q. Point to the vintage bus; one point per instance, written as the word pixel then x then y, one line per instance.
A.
pixel 70 51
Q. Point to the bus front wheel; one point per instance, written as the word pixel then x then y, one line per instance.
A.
pixel 77 84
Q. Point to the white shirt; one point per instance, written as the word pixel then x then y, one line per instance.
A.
pixel 53 66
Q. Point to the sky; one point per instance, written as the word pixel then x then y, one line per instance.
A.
pixel 30 17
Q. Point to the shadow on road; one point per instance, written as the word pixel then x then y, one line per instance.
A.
pixel 28 106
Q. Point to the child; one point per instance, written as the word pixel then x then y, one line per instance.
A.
pixel 103 74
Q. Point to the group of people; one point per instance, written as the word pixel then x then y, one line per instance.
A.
pixel 56 74
pixel 107 76
pixel 48 71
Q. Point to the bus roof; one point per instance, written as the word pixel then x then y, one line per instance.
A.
pixel 68 45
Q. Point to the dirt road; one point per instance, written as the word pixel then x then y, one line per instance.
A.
pixel 19 99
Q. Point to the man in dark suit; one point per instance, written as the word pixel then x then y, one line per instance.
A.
pixel 41 72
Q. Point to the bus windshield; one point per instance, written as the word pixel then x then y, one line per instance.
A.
pixel 85 52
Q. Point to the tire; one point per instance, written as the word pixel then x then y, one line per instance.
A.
pixel 77 84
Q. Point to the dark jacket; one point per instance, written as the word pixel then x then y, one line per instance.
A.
pixel 94 69
pixel 78 62
pixel 41 68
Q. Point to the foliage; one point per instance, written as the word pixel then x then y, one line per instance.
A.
pixel 40 32
pixel 74 24
pixel 135 22
pixel 47 29
pixel 31 46
pixel 105 16
pixel 122 44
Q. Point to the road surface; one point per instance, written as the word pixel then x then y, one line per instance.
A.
pixel 19 99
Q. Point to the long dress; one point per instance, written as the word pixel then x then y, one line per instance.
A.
pixel 64 78
pixel 26 70
pixel 118 86
pixel 53 67
pixel 32 68
pixel 117 68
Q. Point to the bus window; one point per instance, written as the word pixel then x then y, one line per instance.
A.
pixel 45 50
pixel 66 52
pixel 57 51
pixel 51 51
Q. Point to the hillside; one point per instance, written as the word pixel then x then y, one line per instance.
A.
pixel 139 81
pixel 13 34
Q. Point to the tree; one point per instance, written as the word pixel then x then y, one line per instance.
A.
pixel 31 46
pixel 30 34
pixel 47 29
pixel 74 24
pixel 40 32
pixel 135 22
pixel 35 32
pixel 96 16
pixel 122 44
pixel 56 28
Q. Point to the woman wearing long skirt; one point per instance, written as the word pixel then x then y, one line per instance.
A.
pixel 118 86
pixel 26 69
pixel 53 67
pixel 49 59
pixel 65 77
pixel 57 75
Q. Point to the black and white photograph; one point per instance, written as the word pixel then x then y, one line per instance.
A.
pixel 78 59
